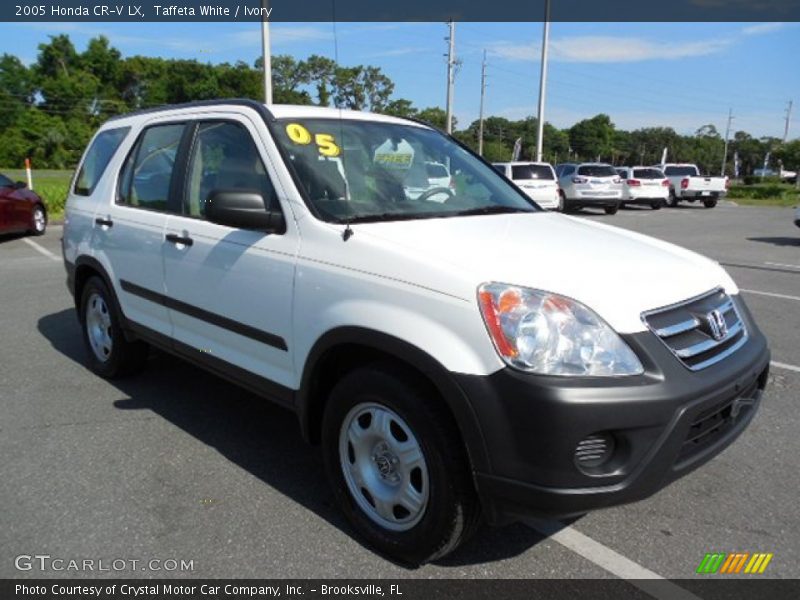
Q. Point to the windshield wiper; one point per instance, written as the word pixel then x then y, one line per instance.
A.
pixel 386 216
pixel 491 210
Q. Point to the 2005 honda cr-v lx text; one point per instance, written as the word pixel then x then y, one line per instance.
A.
pixel 459 355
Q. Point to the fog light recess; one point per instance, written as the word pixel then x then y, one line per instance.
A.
pixel 594 451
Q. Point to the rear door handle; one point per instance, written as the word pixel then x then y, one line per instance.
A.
pixel 104 222
pixel 177 239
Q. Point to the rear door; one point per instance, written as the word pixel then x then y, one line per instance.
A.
pixel 230 290
pixel 6 187
pixel 537 181
pixel 130 231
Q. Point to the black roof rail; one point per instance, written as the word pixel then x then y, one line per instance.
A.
pixel 247 102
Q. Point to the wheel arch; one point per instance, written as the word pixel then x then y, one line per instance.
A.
pixel 340 350
pixel 85 268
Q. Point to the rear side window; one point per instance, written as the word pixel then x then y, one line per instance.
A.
pixel 567 169
pixel 531 172
pixel 97 158
pixel 681 171
pixel 647 174
pixel 596 171
pixel 147 174
pixel 224 157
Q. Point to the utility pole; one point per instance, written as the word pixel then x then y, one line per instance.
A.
pixel 727 134
pixel 543 82
pixel 483 95
pixel 451 74
pixel 788 122
pixel 266 53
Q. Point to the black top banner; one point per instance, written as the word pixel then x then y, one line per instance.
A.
pixel 401 10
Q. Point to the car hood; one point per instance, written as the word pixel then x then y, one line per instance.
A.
pixel 616 272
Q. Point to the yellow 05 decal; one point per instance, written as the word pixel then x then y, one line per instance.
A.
pixel 325 142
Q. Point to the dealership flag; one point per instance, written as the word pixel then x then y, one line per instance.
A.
pixel 664 156
pixel 736 163
pixel 517 149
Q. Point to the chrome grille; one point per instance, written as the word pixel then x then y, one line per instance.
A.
pixel 701 331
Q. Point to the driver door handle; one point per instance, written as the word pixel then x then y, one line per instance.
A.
pixel 176 239
pixel 104 222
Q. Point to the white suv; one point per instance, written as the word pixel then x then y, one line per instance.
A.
pixel 644 185
pixel 457 360
pixel 589 185
pixel 537 180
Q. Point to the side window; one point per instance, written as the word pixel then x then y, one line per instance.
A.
pixel 147 174
pixel 568 170
pixel 97 158
pixel 224 157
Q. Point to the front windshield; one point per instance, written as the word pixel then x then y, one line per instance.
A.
pixel 370 171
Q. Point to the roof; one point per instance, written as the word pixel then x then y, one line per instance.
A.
pixel 271 112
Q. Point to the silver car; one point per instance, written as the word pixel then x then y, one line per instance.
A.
pixel 589 184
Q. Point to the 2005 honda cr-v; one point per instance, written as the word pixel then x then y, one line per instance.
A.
pixel 458 352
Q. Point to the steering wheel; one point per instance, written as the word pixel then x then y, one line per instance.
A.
pixel 434 191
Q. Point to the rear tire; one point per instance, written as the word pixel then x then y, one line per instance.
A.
pixel 110 354
pixel 709 203
pixel 38 220
pixel 656 204
pixel 397 465
pixel 565 207
pixel 611 210
pixel 672 201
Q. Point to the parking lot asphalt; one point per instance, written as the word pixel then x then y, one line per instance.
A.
pixel 177 464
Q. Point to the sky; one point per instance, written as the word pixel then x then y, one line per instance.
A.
pixel 679 75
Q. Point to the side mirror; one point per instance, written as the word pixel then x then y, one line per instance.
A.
pixel 20 185
pixel 243 209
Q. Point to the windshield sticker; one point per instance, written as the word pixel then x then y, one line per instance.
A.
pixel 394 155
pixel 326 143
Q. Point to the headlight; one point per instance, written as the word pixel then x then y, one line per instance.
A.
pixel 552 335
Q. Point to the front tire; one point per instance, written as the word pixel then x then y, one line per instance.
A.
pixel 38 220
pixel 110 354
pixel 397 465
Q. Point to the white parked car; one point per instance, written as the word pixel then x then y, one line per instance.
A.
pixel 686 183
pixel 644 185
pixel 537 180
pixel 459 361
pixel 436 176
pixel 589 185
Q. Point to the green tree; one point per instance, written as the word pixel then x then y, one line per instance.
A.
pixel 593 138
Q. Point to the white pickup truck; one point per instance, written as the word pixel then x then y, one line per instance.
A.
pixel 686 183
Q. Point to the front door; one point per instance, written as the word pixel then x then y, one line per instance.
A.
pixel 230 290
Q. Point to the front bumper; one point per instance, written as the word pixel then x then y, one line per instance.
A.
pixel 531 426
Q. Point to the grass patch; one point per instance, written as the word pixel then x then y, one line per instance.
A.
pixel 765 194
pixel 51 185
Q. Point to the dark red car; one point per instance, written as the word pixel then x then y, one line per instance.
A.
pixel 21 210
